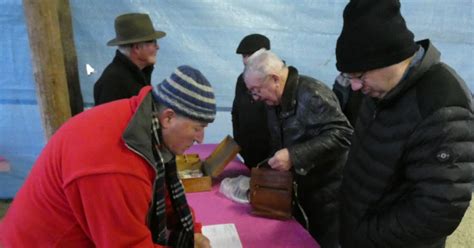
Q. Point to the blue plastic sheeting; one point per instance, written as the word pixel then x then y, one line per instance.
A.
pixel 21 133
pixel 203 34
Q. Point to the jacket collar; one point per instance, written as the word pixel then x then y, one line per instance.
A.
pixel 123 59
pixel 288 99
pixel 431 57
pixel 137 135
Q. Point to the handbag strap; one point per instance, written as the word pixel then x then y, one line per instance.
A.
pixel 262 162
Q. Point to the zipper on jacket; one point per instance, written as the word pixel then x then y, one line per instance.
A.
pixel 153 199
pixel 141 155
pixel 374 115
pixel 295 188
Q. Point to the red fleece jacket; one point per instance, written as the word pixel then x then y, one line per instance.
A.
pixel 87 189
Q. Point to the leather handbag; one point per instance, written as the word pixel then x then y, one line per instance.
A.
pixel 271 193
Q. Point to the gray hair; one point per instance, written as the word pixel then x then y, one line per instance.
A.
pixel 125 49
pixel 263 62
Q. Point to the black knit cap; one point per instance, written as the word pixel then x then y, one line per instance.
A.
pixel 374 35
pixel 252 43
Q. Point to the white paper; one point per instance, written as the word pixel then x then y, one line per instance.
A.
pixel 222 236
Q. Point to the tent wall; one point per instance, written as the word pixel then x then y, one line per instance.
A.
pixel 203 34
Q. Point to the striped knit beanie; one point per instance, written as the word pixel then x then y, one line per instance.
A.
pixel 188 93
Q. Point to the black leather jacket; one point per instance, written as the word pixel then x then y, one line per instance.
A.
pixel 310 124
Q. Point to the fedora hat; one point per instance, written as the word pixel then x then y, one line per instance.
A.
pixel 133 28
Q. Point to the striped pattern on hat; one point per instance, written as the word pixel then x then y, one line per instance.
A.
pixel 188 93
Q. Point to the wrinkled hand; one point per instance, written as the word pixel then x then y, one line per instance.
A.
pixel 201 241
pixel 281 160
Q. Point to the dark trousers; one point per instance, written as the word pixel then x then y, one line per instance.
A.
pixel 323 223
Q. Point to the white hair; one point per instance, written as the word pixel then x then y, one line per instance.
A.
pixel 263 62
pixel 125 49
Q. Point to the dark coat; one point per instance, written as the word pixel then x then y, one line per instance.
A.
pixel 349 100
pixel 407 179
pixel 121 79
pixel 310 124
pixel 249 122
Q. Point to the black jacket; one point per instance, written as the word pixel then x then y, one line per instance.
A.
pixel 310 124
pixel 121 79
pixel 249 122
pixel 349 100
pixel 407 179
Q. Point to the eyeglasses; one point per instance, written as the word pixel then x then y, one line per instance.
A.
pixel 154 43
pixel 256 90
pixel 151 41
pixel 349 76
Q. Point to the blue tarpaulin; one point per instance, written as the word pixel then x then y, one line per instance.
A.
pixel 203 34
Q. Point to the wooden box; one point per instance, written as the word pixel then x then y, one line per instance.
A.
pixel 197 175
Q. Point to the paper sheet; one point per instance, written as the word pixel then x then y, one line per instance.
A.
pixel 222 236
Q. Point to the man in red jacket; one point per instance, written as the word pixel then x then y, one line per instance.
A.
pixel 107 178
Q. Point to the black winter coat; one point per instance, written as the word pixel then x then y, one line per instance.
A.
pixel 311 125
pixel 121 79
pixel 349 100
pixel 407 180
pixel 249 122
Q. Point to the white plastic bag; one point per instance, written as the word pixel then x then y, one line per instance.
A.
pixel 236 188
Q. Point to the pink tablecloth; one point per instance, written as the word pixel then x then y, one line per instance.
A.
pixel 213 207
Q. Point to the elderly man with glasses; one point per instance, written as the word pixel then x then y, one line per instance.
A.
pixel 310 137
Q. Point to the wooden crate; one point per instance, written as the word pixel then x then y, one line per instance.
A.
pixel 194 184
pixel 210 168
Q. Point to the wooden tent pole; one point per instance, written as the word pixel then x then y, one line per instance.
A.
pixel 70 58
pixel 48 56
